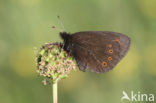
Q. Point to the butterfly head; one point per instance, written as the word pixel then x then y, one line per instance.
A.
pixel 65 36
pixel 67 41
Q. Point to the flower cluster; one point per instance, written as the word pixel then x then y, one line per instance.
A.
pixel 54 63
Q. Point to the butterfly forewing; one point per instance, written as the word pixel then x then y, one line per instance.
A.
pixel 99 51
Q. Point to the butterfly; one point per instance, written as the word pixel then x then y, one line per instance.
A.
pixel 98 51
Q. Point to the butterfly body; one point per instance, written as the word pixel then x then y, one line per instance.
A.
pixel 98 51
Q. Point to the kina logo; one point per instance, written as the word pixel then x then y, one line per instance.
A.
pixel 137 96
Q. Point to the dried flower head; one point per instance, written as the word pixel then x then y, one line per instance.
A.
pixel 54 63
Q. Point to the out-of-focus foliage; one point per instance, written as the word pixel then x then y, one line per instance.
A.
pixel 25 24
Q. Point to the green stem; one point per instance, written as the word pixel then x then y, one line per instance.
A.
pixel 55 92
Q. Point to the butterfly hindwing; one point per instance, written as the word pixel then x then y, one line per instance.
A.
pixel 99 51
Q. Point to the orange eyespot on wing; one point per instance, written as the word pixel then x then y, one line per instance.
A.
pixel 104 64
pixel 109 45
pixel 110 51
pixel 109 58
pixel 117 40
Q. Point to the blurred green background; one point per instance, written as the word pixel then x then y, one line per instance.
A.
pixel 25 24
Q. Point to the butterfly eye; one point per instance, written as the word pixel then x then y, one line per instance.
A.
pixel 104 64
pixel 110 51
pixel 109 58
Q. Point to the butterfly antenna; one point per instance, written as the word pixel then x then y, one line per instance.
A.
pixel 61 23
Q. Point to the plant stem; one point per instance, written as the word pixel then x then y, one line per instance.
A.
pixel 55 92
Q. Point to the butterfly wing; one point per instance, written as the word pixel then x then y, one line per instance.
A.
pixel 99 51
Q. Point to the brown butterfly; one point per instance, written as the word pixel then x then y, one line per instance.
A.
pixel 98 51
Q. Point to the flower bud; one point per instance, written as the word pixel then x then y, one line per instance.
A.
pixel 54 63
